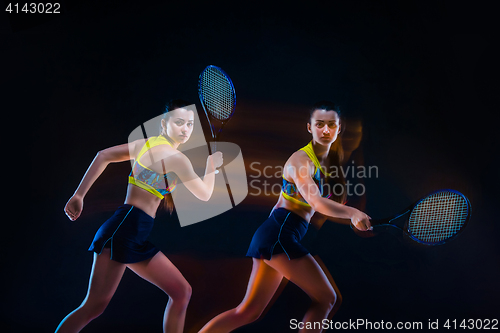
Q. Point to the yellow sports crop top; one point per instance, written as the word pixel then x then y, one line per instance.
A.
pixel 156 183
pixel 289 189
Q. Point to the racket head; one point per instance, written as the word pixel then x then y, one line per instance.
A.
pixel 438 218
pixel 216 93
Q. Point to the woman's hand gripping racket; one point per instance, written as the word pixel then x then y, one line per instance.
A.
pixel 218 98
pixel 433 220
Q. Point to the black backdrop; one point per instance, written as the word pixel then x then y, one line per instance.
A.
pixel 419 78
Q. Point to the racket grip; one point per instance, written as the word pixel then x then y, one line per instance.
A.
pixel 214 149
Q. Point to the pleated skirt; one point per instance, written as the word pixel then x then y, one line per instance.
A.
pixel 280 233
pixel 126 233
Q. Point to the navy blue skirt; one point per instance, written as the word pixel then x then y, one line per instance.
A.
pixel 125 233
pixel 281 232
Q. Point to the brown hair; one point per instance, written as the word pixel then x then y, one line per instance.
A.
pixel 168 202
pixel 336 153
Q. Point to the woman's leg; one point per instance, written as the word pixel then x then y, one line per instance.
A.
pixel 308 275
pixel 262 285
pixel 325 270
pixel 161 272
pixel 104 279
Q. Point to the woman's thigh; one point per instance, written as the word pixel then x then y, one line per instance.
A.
pixel 263 283
pixel 104 278
pixel 306 273
pixel 161 272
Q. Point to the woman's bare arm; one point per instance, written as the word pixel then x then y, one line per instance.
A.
pixel 114 154
pixel 310 192
pixel 201 188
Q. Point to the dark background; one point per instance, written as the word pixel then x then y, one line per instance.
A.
pixel 420 78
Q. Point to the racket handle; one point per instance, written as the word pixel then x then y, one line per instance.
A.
pixel 214 149
pixel 212 146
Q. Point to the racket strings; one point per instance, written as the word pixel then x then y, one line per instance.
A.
pixel 438 217
pixel 218 93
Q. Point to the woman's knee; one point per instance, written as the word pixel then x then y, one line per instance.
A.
pixel 338 300
pixel 94 309
pixel 248 314
pixel 327 298
pixel 187 291
pixel 182 293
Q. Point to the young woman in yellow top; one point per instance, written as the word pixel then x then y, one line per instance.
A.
pixel 121 241
pixel 275 248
